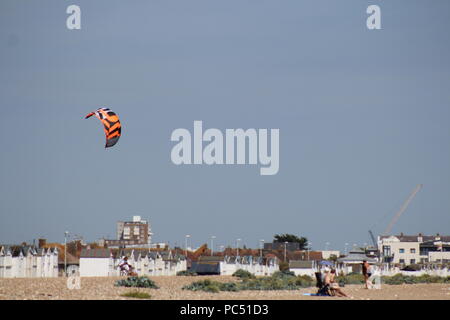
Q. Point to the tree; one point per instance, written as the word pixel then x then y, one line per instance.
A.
pixel 333 258
pixel 286 237
pixel 283 266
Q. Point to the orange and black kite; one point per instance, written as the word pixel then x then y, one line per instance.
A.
pixel 111 125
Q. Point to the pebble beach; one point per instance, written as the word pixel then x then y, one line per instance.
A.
pixel 170 288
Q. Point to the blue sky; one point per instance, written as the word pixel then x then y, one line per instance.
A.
pixel 363 118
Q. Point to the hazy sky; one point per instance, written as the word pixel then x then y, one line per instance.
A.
pixel 363 118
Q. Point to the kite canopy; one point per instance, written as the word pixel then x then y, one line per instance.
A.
pixel 111 124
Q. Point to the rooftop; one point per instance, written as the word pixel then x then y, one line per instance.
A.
pixel 418 238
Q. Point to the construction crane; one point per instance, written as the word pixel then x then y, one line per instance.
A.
pixel 397 215
pixel 375 244
pixel 402 209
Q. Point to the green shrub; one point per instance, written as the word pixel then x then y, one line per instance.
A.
pixel 283 266
pixel 229 286
pixel 286 280
pixel 410 280
pixel 425 278
pixel 252 284
pixel 392 280
pixel 305 281
pixel 243 274
pixel 138 282
pixel 136 294
pixel 278 281
pixel 286 274
pixel 186 273
pixel 204 285
pixel 351 278
pixel 266 283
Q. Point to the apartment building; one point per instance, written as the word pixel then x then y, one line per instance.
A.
pixel 131 233
pixel 414 249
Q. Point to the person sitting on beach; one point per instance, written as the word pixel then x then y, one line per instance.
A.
pixel 324 289
pixel 334 286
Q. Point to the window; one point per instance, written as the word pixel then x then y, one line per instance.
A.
pixel 401 250
pixel 126 233
pixel 412 261
pixel 401 260
pixel 412 250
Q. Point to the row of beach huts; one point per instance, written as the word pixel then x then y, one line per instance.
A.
pixel 32 262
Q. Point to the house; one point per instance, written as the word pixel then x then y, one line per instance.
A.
pixel 353 261
pixel 207 265
pixel 227 265
pixel 303 255
pixel 413 249
pixel 104 262
pixel 28 262
pixel 289 246
pixel 96 263
pixel 154 262
pixel 328 254
pixel 303 267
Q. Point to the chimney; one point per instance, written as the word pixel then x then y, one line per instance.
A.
pixel 42 242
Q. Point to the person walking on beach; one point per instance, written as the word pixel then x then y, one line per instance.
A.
pixel 367 272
